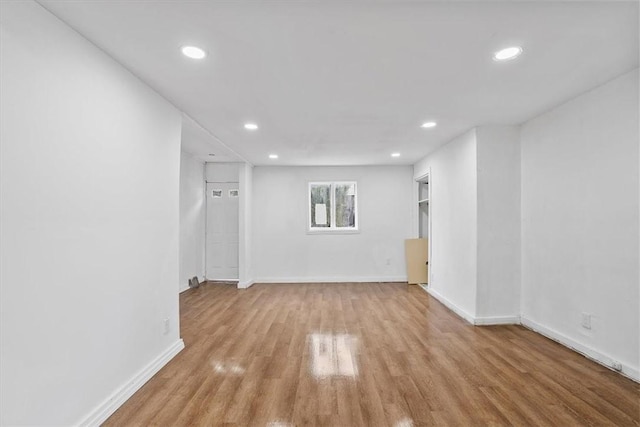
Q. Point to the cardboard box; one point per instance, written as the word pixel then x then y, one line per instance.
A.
pixel 417 255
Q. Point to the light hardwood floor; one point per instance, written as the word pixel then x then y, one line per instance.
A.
pixel 369 354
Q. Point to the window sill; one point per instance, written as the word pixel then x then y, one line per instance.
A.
pixel 333 231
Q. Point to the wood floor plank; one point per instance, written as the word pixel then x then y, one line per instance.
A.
pixel 366 354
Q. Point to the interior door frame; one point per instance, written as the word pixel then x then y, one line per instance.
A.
pixel 416 209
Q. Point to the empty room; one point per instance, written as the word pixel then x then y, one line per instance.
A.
pixel 287 213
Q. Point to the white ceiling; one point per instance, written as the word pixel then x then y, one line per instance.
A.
pixel 347 83
pixel 202 144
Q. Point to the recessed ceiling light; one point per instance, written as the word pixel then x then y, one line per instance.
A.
pixel 273 156
pixel 193 52
pixel 250 126
pixel 395 154
pixel 427 125
pixel 507 53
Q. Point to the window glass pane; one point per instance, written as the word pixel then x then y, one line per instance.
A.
pixel 345 205
pixel 320 205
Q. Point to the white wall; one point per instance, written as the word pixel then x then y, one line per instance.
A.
pixel 498 163
pixel 284 251
pixel 453 210
pixel 245 270
pixel 580 222
pixel 90 224
pixel 192 219
pixel 223 172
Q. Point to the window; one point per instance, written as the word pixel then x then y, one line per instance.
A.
pixel 333 206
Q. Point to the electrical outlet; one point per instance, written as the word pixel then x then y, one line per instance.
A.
pixel 586 320
pixel 388 261
pixel 167 326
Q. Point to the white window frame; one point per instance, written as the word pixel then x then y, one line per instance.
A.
pixel 332 229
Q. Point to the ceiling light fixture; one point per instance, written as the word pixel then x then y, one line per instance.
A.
pixel 193 52
pixel 428 125
pixel 507 54
pixel 273 156
pixel 395 154
pixel 250 126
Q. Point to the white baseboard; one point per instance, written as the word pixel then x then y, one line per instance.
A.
pixel 496 320
pixel 601 358
pixel 479 321
pixel 111 404
pixel 220 280
pixel 245 285
pixel 338 279
pixel 451 306
pixel 628 371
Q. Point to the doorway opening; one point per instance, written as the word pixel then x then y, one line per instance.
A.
pixel 425 204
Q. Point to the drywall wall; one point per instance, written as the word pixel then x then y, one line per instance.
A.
pixel 223 172
pixel 245 271
pixel 242 173
pixel 498 164
pixel 192 219
pixel 89 184
pixel 283 250
pixel 453 210
pixel 580 222
pixel 475 228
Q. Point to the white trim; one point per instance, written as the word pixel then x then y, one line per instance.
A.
pixel 497 320
pixel 341 279
pixel 104 410
pixel 430 233
pixel 628 371
pixel 185 289
pixel 334 231
pixel 416 210
pixel 245 285
pixel 478 321
pixel 451 306
pixel 595 355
